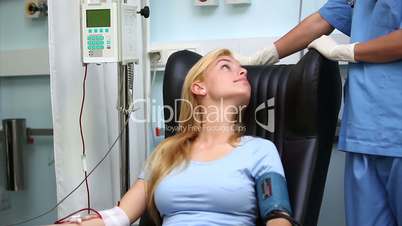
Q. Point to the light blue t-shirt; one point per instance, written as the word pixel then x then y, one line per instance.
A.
pixel 219 192
pixel 372 117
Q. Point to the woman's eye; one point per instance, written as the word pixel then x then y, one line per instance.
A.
pixel 225 66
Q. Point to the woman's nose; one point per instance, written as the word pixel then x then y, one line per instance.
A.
pixel 243 72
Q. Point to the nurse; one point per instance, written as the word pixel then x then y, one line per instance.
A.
pixel 371 128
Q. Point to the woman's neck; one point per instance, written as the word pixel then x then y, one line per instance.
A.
pixel 217 132
pixel 218 121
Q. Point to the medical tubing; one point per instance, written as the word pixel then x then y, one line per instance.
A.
pixel 83 140
pixel 61 221
pixel 79 185
pixel 82 108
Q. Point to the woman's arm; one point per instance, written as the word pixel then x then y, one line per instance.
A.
pixel 134 201
pixel 133 204
pixel 278 222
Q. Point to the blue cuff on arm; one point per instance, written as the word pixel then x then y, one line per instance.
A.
pixel 339 14
pixel 272 194
pixel 400 14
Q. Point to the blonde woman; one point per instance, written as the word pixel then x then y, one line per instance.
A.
pixel 208 173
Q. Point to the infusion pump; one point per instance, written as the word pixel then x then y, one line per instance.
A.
pixel 109 31
pixel 99 32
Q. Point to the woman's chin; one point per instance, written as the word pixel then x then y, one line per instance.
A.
pixel 243 99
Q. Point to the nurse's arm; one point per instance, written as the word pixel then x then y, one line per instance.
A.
pixel 383 49
pixel 133 204
pixel 303 34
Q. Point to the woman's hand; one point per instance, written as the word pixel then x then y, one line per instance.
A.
pixel 92 222
pixel 133 204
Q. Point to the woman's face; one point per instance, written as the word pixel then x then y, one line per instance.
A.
pixel 226 80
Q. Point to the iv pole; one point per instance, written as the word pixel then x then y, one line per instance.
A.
pixel 125 92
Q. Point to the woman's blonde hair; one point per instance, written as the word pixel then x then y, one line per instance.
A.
pixel 176 150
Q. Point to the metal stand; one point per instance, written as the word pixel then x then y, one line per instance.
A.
pixel 125 92
pixel 15 136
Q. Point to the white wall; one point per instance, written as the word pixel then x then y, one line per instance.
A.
pixel 18 32
pixel 27 97
pixel 180 20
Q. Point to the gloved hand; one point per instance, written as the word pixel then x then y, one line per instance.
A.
pixel 268 55
pixel 332 50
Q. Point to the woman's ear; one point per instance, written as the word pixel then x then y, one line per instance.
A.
pixel 198 88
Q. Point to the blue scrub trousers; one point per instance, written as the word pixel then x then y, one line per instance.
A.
pixel 373 190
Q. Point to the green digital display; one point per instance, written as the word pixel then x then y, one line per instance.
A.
pixel 98 18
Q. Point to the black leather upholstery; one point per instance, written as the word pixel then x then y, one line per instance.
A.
pixel 302 101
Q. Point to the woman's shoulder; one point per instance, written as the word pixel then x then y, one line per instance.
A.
pixel 262 156
pixel 256 141
pixel 257 145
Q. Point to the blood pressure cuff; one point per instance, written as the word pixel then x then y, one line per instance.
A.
pixel 272 195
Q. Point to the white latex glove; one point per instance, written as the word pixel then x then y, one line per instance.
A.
pixel 332 50
pixel 268 55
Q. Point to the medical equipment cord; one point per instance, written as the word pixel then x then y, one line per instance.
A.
pixel 109 150
pixel 83 140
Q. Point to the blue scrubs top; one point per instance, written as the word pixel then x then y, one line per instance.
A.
pixel 372 117
pixel 219 192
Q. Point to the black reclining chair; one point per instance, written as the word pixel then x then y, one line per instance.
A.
pixel 294 106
